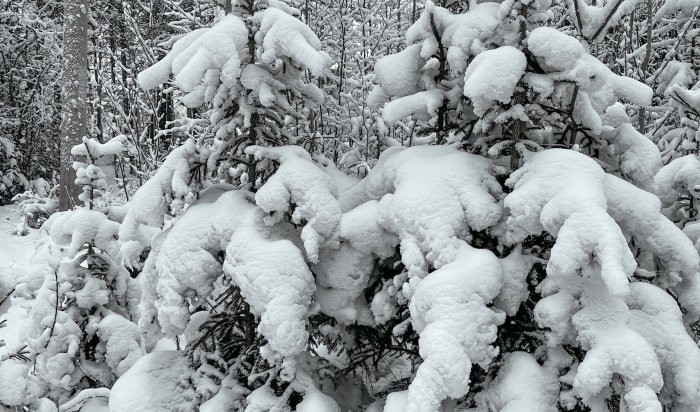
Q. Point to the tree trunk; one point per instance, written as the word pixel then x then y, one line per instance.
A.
pixel 74 118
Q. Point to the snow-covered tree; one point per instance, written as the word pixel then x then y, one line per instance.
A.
pixel 497 81
pixel 249 68
pixel 311 274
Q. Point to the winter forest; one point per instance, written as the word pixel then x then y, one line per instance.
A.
pixel 349 205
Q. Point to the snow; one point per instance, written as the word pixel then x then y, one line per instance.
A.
pixel 261 82
pixel 690 97
pixel 566 59
pixel 639 215
pixel 360 226
pixel 263 399
pixel 190 247
pixel 122 342
pixel 224 44
pixel 311 250
pixel 522 385
pixel 300 184
pixel 456 328
pixel 558 50
pixel 401 82
pixel 428 196
pixel 93 149
pixel 396 402
pixel 72 229
pixel 612 347
pixel 160 381
pixel 595 18
pixel 516 267
pixel 314 400
pixel 276 282
pixel 554 312
pixel 160 72
pixel 469 31
pixel 14 249
pixel 341 277
pixel 492 76
pixel 680 176
pixel 655 315
pixel 675 73
pixel 632 90
pixel 207 63
pixel 88 400
pixel 19 274
pixel 283 35
pixel 13 382
pixel 148 207
pixel 423 105
pixel 672 6
pixel 563 192
pixel 231 396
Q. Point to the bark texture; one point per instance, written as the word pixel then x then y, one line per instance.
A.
pixel 74 96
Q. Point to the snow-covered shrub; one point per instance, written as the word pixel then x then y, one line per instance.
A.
pixel 78 332
pixel 89 175
pixel 35 206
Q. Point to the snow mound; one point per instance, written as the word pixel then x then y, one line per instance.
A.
pixel 158 382
pixel 522 385
pixel 492 76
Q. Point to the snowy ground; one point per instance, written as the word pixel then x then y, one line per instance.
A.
pixel 15 251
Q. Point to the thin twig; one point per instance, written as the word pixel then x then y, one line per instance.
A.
pixel 55 314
